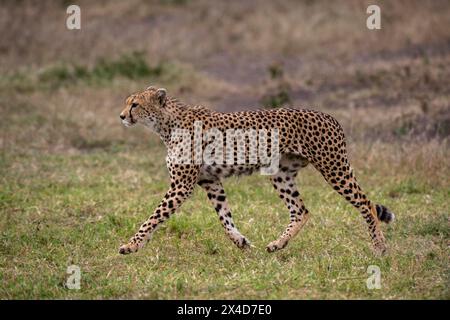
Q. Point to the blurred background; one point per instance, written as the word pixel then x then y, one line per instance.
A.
pixel 383 84
pixel 66 161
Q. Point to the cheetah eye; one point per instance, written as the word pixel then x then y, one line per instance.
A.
pixel 134 105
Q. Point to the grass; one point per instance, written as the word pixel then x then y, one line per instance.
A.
pixel 130 66
pixel 59 210
pixel 278 99
pixel 278 96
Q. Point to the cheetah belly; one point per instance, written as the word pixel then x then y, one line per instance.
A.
pixel 225 170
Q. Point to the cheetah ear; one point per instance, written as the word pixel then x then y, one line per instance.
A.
pixel 161 94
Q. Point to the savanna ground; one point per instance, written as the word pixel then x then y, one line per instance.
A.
pixel 75 184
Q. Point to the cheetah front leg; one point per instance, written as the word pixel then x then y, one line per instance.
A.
pixel 216 195
pixel 182 185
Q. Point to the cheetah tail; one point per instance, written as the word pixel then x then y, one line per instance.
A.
pixel 384 214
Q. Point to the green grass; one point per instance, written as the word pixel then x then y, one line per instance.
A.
pixel 58 210
pixel 132 66
pixel 279 95
pixel 75 185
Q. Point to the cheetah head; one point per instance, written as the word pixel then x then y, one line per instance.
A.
pixel 144 107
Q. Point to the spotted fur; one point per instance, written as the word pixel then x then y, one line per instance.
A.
pixel 305 137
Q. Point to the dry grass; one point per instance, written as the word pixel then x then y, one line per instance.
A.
pixel 309 30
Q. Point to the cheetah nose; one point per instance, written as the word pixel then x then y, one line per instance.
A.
pixel 122 116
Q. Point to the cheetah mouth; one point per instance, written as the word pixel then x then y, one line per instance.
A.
pixel 127 123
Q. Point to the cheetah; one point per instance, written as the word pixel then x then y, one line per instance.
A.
pixel 304 137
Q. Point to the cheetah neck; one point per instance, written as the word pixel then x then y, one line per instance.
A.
pixel 170 119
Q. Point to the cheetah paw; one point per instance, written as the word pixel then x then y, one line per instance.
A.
pixel 380 249
pixel 275 245
pixel 128 248
pixel 243 243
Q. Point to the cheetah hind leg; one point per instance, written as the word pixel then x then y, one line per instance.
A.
pixel 284 182
pixel 345 183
